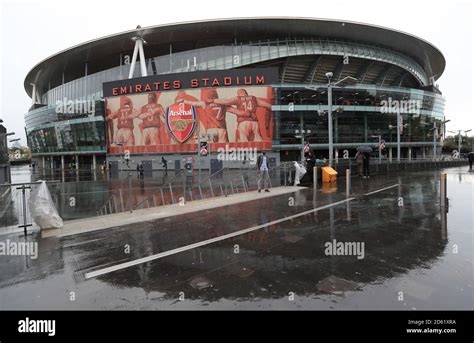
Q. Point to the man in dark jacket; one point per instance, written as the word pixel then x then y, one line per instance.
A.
pixel 471 159
pixel 365 165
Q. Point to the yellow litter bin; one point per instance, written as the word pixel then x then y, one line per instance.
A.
pixel 329 174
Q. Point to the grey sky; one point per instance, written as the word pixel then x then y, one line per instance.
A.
pixel 34 30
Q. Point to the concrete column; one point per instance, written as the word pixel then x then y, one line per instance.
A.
pixel 94 163
pixel 337 155
pixel 35 99
pixel 52 162
pixel 62 162
pixel 409 154
pixel 142 57
pixel 134 61
pixel 423 149
pixel 43 162
pixel 77 162
pixel 302 136
pixel 390 154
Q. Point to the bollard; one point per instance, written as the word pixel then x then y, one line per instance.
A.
pixel 348 182
pixel 315 178
pixel 171 192
pixel 443 190
pixel 130 201
pixel 121 200
pixel 210 185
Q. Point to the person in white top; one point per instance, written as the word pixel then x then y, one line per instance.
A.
pixel 263 175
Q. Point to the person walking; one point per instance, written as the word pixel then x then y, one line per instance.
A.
pixel 164 163
pixel 359 157
pixel 263 176
pixel 365 165
pixel 471 159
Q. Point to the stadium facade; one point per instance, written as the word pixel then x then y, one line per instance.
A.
pixel 244 83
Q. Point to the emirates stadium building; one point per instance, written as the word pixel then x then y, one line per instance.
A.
pixel 259 83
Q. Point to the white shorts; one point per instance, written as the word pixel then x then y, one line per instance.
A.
pixel 249 131
pixel 219 133
pixel 125 136
pixel 152 135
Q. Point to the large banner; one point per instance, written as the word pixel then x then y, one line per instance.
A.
pixel 174 121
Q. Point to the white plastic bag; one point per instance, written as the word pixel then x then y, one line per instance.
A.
pixel 42 208
pixel 300 171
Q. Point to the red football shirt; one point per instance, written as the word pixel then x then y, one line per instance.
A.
pixel 123 121
pixel 215 116
pixel 152 118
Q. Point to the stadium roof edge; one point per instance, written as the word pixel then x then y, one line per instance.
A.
pixel 425 53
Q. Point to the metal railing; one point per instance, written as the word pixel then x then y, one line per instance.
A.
pixel 405 164
pixel 186 186
pixel 15 212
pixel 122 199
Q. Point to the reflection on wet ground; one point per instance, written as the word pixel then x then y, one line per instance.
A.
pixel 85 194
pixel 414 256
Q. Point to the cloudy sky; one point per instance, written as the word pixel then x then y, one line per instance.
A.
pixel 33 30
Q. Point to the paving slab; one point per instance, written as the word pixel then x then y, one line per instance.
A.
pixel 78 226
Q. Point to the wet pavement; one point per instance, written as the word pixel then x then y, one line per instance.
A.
pixel 84 194
pixel 414 257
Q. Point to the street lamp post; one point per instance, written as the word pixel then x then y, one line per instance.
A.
pixel 302 136
pixel 207 139
pixel 122 155
pixel 435 134
pixel 7 134
pixel 380 147
pixel 399 127
pixel 3 141
pixel 339 84
pixel 331 152
pixel 460 139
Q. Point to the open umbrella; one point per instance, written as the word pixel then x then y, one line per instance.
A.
pixel 365 149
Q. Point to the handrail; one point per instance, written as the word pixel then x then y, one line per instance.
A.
pixel 280 165
pixel 159 189
pixel 114 193
pixel 206 187
pixel 29 183
pixel 210 176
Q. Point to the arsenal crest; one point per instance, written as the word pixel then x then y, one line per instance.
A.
pixel 181 121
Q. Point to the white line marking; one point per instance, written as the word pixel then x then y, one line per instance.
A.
pixel 381 190
pixel 80 243
pixel 206 242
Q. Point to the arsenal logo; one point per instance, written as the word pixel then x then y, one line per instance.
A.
pixel 181 121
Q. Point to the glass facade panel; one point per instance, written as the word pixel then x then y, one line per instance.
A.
pixel 359 116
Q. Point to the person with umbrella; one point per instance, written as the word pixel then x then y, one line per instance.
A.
pixel 366 151
pixel 359 157
pixel 471 159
